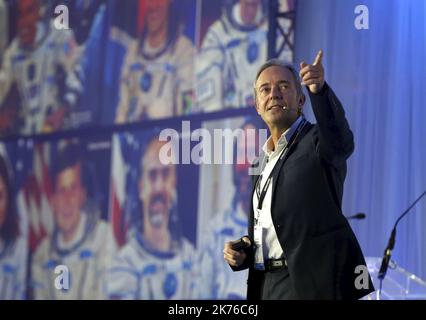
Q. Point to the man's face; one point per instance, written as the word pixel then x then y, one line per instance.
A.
pixel 69 198
pixel 249 10
pixel 29 14
pixel 276 88
pixel 3 201
pixel 157 14
pixel 157 190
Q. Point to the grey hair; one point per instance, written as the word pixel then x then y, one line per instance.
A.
pixel 282 64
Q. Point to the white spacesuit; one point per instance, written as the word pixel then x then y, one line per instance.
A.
pixel 13 270
pixel 140 272
pixel 220 282
pixel 47 75
pixel 86 258
pixel 230 55
pixel 229 58
pixel 156 83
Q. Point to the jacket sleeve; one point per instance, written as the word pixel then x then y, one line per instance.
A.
pixel 336 142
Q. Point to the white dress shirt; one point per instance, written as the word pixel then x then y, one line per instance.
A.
pixel 270 244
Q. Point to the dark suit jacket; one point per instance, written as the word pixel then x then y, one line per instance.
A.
pixel 318 243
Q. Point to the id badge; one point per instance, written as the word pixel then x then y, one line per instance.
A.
pixel 259 263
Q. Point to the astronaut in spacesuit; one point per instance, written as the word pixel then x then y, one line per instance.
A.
pixel 232 50
pixel 43 63
pixel 220 282
pixel 157 262
pixel 156 79
pixel 81 241
pixel 13 244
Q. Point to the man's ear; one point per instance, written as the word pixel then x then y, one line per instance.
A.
pixel 257 109
pixel 255 102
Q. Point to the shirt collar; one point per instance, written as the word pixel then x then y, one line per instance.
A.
pixel 282 141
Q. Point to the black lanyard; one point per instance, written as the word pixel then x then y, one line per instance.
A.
pixel 261 195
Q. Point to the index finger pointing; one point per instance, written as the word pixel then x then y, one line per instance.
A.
pixel 318 58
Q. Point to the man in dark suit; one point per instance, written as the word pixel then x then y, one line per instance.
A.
pixel 299 244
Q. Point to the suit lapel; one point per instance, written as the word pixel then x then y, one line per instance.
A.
pixel 290 151
pixel 262 163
